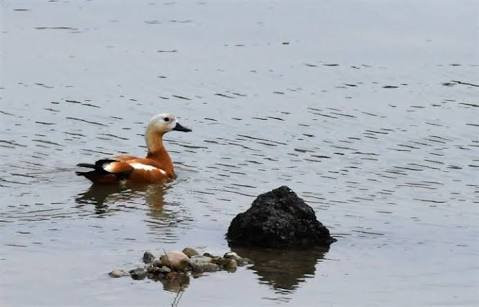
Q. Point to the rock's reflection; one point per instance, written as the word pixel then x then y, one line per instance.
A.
pixel 283 269
pixel 175 282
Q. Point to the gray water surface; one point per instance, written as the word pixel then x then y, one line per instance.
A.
pixel 369 110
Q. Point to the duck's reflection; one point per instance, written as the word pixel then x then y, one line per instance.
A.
pixel 283 269
pixel 163 218
pixel 102 195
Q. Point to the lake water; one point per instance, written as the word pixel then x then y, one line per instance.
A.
pixel 369 110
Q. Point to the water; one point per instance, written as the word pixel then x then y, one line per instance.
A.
pixel 368 110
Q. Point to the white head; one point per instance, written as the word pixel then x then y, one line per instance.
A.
pixel 163 123
pixel 159 125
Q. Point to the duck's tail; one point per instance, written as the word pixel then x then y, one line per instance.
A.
pixel 100 174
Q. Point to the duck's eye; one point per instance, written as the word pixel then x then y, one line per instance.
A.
pixel 167 119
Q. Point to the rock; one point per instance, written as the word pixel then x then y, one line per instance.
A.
pixel 148 257
pixel 151 269
pixel 190 252
pixel 200 260
pixel 155 270
pixel 278 219
pixel 230 265
pixel 200 264
pixel 207 267
pixel 157 263
pixel 244 261
pixel 175 260
pixel 118 273
pixel 164 269
pixel 232 255
pixel 138 273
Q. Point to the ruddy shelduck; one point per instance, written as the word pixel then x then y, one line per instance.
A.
pixel 157 166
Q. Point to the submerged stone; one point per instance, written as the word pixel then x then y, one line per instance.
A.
pixel 278 219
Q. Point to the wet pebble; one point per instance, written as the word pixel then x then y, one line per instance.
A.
pixel 201 264
pixel 148 257
pixel 190 252
pixel 118 273
pixel 205 267
pixel 138 273
pixel 175 260
pixel 200 260
pixel 173 268
pixel 232 255
pixel 230 265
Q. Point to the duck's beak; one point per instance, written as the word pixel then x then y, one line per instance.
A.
pixel 179 127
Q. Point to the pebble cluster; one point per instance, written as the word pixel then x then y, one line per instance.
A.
pixel 177 265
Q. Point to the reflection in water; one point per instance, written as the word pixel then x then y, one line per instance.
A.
pixel 163 218
pixel 101 195
pixel 174 281
pixel 283 269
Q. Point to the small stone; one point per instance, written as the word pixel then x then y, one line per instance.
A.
pixel 244 261
pixel 200 260
pixel 175 260
pixel 148 257
pixel 190 252
pixel 118 273
pixel 164 269
pixel 200 264
pixel 232 255
pixel 208 255
pixel 138 273
pixel 157 263
pixel 151 269
pixel 206 267
pixel 230 265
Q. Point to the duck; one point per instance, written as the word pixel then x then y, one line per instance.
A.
pixel 156 167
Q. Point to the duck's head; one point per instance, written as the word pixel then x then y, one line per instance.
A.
pixel 165 122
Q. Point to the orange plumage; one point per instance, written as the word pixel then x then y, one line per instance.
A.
pixel 157 166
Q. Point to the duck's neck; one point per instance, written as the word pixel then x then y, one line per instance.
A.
pixel 157 151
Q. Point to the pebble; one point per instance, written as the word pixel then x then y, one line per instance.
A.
pixel 118 273
pixel 200 260
pixel 138 273
pixel 230 265
pixel 206 267
pixel 157 263
pixel 175 260
pixel 148 257
pixel 164 269
pixel 174 268
pixel 190 252
pixel 232 255
pixel 244 261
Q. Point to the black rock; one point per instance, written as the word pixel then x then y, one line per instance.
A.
pixel 278 219
pixel 148 257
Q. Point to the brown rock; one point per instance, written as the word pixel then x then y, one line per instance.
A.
pixel 175 260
